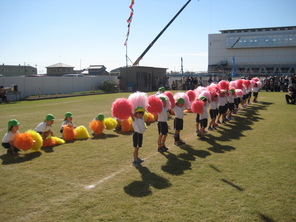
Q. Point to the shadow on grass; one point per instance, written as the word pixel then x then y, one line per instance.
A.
pixel 191 153
pixel 50 149
pixel 142 188
pixel 233 185
pixel 215 168
pixel 102 136
pixel 18 158
pixel 233 130
pixel 266 218
pixel 174 165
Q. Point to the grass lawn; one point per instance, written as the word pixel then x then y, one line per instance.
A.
pixel 245 171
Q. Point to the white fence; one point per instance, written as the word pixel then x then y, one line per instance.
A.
pixel 28 86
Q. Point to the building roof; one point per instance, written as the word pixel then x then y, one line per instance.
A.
pixel 96 67
pixel 59 65
pixel 259 29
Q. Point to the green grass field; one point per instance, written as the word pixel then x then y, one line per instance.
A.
pixel 245 171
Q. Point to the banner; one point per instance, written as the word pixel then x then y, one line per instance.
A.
pixel 129 20
pixel 233 74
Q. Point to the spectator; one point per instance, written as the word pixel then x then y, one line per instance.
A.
pixel 291 97
pixel 3 94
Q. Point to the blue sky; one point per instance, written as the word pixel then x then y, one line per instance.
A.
pixel 92 32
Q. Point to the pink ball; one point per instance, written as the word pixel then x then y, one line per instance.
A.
pixel 154 104
pixel 191 95
pixel 121 108
pixel 171 98
pixel 239 84
pixel 224 85
pixel 197 106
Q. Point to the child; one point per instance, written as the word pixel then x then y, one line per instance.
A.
pixel 222 106
pixel 231 96
pixel 67 121
pixel 213 112
pixel 178 121
pixel 44 128
pixel 162 125
pixel 255 90
pixel 139 129
pixel 203 118
pixel 12 131
pixel 160 90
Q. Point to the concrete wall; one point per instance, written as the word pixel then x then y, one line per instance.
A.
pixel 52 85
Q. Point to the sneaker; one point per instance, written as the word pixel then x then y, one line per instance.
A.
pixel 165 148
pixel 136 164
pixel 216 125
pixel 218 122
pixel 203 138
pixel 182 142
pixel 160 149
pixel 210 128
pixel 140 160
pixel 10 151
pixel 214 128
pixel 198 134
pixel 16 150
pixel 178 143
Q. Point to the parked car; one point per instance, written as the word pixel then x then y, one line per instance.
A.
pixel 1 75
pixel 73 75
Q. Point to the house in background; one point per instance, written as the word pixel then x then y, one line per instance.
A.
pixel 59 69
pixel 12 70
pixel 95 70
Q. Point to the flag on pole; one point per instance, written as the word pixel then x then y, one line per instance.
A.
pixel 233 74
pixel 129 20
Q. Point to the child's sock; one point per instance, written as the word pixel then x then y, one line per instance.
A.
pixel 176 137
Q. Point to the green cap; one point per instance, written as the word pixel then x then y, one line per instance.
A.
pixel 12 122
pixel 163 98
pixel 232 90
pixel 180 100
pixel 68 114
pixel 203 98
pixel 49 117
pixel 139 109
pixel 162 89
pixel 100 117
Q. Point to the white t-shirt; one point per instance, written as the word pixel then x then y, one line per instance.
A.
pixel 139 125
pixel 9 137
pixel 222 101
pixel 179 111
pixel 213 105
pixel 255 89
pixel 204 114
pixel 230 98
pixel 67 123
pixel 163 116
pixel 43 127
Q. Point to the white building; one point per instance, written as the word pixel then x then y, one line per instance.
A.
pixel 257 51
